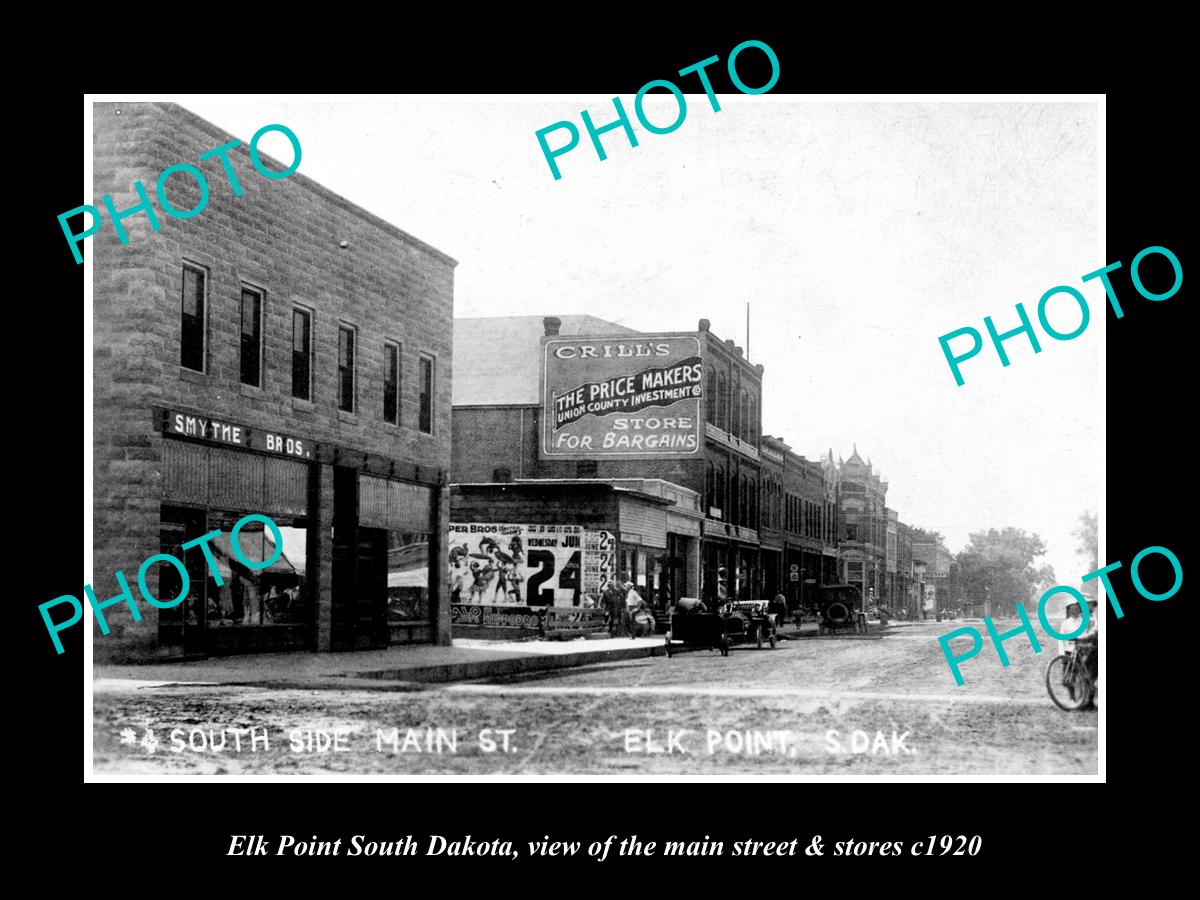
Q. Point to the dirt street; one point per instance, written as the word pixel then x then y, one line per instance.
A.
pixel 813 706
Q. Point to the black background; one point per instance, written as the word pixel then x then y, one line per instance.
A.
pixel 178 832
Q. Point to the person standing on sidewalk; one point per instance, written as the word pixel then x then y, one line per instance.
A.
pixel 613 599
pixel 633 601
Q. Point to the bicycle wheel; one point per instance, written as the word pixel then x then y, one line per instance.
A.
pixel 1061 683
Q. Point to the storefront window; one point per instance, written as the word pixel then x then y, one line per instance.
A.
pixel 408 578
pixel 275 595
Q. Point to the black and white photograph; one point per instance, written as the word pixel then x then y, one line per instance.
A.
pixel 702 433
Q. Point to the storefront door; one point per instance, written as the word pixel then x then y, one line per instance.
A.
pixel 182 625
pixel 359 572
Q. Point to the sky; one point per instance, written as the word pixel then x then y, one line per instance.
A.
pixel 858 232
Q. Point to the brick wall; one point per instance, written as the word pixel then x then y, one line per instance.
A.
pixel 282 237
pixel 488 438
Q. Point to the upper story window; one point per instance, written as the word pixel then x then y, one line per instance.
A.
pixel 710 409
pixel 252 318
pixel 301 354
pixel 426 389
pixel 346 355
pixel 391 382
pixel 192 324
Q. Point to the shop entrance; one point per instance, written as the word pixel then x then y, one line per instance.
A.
pixel 182 625
pixel 358 573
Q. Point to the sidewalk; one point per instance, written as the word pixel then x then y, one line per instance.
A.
pixel 390 669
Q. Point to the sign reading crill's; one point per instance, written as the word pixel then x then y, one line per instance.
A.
pixel 622 396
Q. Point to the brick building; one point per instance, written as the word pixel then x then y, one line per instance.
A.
pixel 800 517
pixel 500 436
pixel 934 560
pixel 282 353
pixel 891 578
pixel 862 508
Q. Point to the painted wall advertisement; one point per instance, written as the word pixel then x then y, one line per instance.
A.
pixel 526 565
pixel 627 396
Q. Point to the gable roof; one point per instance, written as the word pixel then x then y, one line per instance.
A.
pixel 497 359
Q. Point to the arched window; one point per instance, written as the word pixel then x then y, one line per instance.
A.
pixel 722 410
pixel 709 486
pixel 719 498
pixel 752 422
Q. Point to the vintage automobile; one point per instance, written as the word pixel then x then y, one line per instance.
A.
pixel 691 627
pixel 838 607
pixel 750 622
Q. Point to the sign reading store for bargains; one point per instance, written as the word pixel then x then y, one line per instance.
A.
pixel 622 120
pixel 623 396
pixel 145 206
pixel 126 596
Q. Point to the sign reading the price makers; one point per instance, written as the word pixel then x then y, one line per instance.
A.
pixel 527 565
pixel 626 396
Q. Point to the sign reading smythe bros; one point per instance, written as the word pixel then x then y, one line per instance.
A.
pixel 630 396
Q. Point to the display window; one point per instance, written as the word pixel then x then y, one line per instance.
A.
pixel 233 594
pixel 408 578
pixel 275 595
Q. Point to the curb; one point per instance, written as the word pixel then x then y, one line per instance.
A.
pixel 491 668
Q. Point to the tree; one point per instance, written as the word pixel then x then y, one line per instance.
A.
pixel 921 536
pixel 1088 549
pixel 998 566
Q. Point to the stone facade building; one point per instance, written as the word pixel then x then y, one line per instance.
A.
pixel 282 353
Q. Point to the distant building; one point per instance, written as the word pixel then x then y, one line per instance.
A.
pixel 891 586
pixel 862 509
pixel 935 560
pixel 799 522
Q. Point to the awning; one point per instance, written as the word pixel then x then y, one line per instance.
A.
pixel 253 548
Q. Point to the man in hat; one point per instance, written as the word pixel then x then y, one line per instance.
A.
pixel 633 602
pixel 613 600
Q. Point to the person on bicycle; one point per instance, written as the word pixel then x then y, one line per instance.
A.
pixel 1087 644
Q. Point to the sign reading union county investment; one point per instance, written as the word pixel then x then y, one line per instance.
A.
pixel 632 395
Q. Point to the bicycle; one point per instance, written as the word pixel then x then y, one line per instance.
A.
pixel 1069 681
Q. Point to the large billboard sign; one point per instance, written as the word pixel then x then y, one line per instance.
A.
pixel 625 396
pixel 504 564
